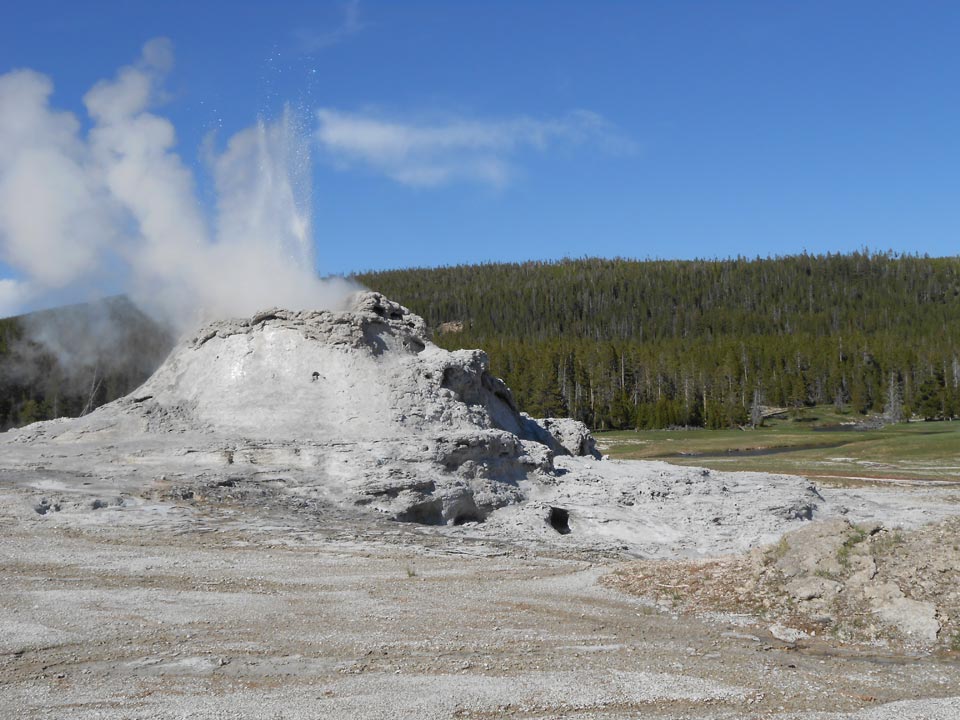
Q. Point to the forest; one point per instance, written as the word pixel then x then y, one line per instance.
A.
pixel 616 343
pixel 624 344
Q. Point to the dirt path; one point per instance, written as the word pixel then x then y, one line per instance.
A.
pixel 210 617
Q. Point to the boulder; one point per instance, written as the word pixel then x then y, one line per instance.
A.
pixel 915 619
pixel 566 436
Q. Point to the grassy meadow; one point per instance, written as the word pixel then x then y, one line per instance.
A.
pixel 819 443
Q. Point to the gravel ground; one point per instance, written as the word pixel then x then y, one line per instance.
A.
pixel 186 611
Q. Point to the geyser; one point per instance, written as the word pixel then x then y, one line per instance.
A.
pixel 352 407
pixel 326 406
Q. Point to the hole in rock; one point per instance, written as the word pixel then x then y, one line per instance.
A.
pixel 45 506
pixel 315 376
pixel 560 520
pixel 467 518
pixel 429 512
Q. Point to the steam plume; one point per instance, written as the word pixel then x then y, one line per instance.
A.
pixel 78 211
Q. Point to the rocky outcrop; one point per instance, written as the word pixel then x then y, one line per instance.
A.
pixel 833 579
pixel 567 436
pixel 831 570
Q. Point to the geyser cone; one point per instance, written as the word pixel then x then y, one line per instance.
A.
pixel 357 406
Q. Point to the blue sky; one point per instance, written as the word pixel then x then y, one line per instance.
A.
pixel 457 132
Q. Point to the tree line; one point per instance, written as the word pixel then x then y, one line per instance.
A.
pixel 615 343
pixel 651 344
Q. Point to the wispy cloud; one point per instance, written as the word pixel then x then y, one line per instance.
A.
pixel 428 155
pixel 309 40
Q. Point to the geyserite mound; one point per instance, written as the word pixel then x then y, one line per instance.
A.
pixel 355 406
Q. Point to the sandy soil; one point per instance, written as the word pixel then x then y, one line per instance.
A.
pixel 180 610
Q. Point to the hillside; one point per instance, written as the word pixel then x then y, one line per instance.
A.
pixel 624 343
pixel 70 360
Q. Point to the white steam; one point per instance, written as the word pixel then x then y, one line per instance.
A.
pixel 76 210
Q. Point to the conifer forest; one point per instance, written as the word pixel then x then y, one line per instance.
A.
pixel 651 344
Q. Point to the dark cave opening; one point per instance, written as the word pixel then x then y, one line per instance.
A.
pixel 560 520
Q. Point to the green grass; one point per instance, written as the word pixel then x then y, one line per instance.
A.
pixel 806 444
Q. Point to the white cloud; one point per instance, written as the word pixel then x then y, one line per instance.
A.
pixel 309 41
pixel 461 150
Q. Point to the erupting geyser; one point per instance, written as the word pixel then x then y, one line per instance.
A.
pixel 339 403
pixel 340 407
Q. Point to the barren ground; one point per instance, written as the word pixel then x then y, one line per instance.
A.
pixel 181 610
